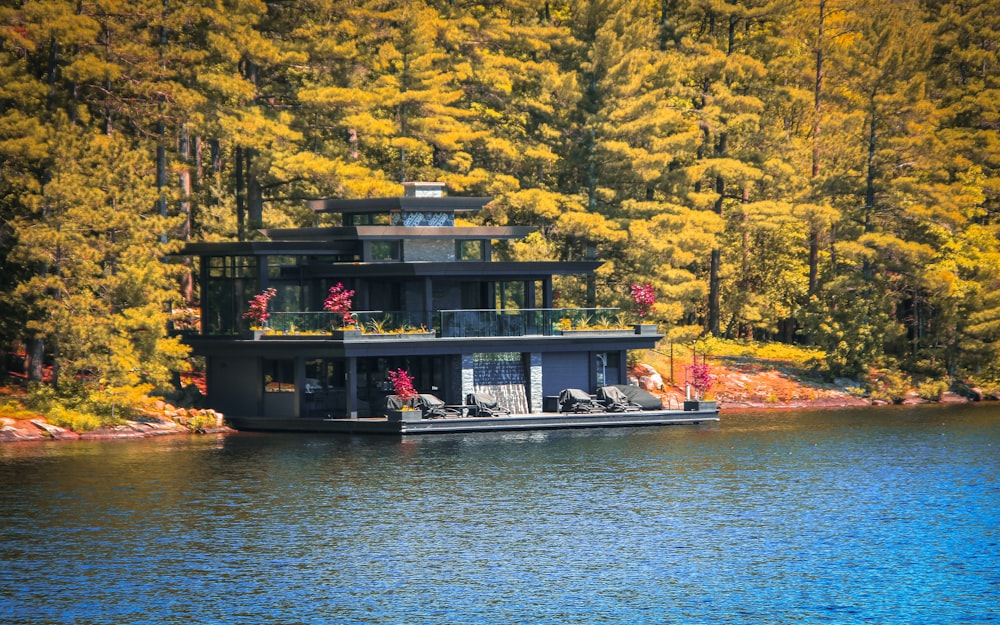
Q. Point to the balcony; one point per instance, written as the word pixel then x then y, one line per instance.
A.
pixel 460 323
pixel 366 321
pixel 530 322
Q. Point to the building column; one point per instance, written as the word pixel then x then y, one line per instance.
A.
pixel 299 365
pixel 428 303
pixel 468 376
pixel 351 387
pixel 531 323
pixel 535 382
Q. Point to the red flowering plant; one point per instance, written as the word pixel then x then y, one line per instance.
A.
pixel 701 379
pixel 402 386
pixel 257 312
pixel 644 297
pixel 339 301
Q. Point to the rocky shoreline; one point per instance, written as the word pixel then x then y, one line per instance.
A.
pixel 170 420
pixel 737 388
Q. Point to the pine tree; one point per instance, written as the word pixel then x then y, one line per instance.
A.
pixel 101 295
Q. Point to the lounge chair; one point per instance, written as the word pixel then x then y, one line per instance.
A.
pixel 640 396
pixel 485 405
pixel 433 407
pixel 615 400
pixel 395 402
pixel 577 400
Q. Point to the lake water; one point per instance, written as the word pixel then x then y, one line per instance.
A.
pixel 884 516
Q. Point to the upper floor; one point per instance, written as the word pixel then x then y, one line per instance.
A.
pixel 410 267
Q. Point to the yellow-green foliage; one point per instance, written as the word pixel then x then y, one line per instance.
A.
pixel 200 421
pixel 932 390
pixel 74 420
pixel 889 385
pixel 82 408
pixel 722 348
pixel 11 409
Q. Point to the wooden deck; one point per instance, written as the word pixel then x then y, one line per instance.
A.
pixel 539 421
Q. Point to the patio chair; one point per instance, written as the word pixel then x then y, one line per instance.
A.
pixel 615 400
pixel 395 402
pixel 641 397
pixel 577 400
pixel 434 407
pixel 485 405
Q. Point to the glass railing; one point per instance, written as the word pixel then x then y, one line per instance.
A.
pixel 456 323
pixel 529 321
pixel 368 321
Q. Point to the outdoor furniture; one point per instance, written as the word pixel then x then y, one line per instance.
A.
pixel 434 407
pixel 640 396
pixel 578 400
pixel 615 400
pixel 485 405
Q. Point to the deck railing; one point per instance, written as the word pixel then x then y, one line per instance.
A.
pixel 528 321
pixel 485 322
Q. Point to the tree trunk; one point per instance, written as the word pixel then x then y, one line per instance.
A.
pixel 813 260
pixel 184 148
pixel 818 90
pixel 713 293
pixel 714 298
pixel 870 165
pixel 34 358
pixel 255 199
pixel 241 198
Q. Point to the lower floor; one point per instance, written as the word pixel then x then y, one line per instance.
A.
pixel 318 386
pixel 700 415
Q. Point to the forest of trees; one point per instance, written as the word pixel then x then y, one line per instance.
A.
pixel 825 172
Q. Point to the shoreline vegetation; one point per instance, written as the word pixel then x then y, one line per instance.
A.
pixel 744 376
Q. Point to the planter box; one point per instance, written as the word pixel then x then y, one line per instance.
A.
pixel 594 332
pixel 394 336
pixel 253 335
pixel 343 333
pixel 404 415
pixel 646 328
pixel 700 406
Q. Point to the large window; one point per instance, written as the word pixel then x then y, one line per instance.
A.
pixel 469 250
pixel 324 374
pixel 279 376
pixel 385 251
pixel 230 282
pixel 370 219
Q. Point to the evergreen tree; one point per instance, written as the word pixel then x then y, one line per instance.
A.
pixel 102 291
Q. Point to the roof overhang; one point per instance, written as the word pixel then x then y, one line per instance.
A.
pixel 331 205
pixel 461 269
pixel 354 233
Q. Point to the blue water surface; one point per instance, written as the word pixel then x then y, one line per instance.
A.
pixel 884 516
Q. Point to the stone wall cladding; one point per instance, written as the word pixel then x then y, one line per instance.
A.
pixel 468 375
pixel 429 250
pixel 535 382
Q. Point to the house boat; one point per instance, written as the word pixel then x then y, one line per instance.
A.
pixel 429 299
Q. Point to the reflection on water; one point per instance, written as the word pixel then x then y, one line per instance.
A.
pixel 858 516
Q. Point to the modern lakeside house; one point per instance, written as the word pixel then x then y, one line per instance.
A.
pixel 428 299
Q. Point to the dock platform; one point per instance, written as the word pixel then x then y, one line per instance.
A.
pixel 537 421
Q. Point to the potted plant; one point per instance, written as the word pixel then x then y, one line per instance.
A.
pixel 339 301
pixel 700 380
pixel 257 312
pixel 643 296
pixel 402 387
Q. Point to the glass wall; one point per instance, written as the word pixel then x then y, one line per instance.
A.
pixel 230 282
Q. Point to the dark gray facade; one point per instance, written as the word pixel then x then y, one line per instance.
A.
pixel 429 299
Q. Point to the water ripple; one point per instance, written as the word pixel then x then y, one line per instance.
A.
pixel 883 517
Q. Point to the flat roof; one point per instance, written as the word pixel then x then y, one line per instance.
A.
pixel 355 233
pixel 382 204
pixel 515 270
